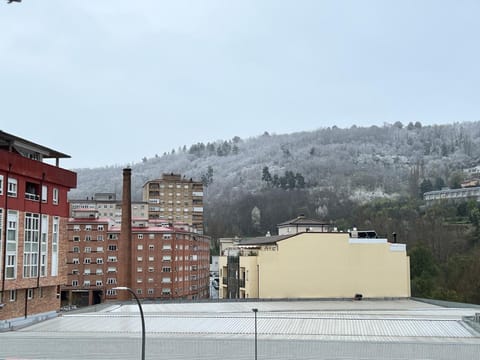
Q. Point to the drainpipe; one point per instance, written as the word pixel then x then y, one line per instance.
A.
pixel 26 303
pixel 258 280
pixel 4 236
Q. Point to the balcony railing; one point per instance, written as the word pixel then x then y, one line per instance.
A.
pixel 32 196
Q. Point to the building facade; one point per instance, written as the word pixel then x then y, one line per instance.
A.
pixel 33 220
pixel 167 262
pixel 452 195
pixel 309 264
pixel 108 206
pixel 175 199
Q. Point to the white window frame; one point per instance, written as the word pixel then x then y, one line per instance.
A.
pixel 44 193
pixel 31 242
pixel 12 187
pixel 44 246
pixel 55 196
pixel 1 184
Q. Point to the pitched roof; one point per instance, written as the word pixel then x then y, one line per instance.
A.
pixel 264 240
pixel 9 140
pixel 302 220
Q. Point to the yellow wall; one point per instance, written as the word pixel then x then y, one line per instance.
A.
pixel 326 265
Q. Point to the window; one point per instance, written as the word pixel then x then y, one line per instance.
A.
pixel 167 247
pixel 76 227
pixel 166 280
pixel 12 244
pixel 99 237
pixel 151 247
pixel 86 283
pixel 151 236
pixel 150 291
pixel 167 236
pixel 87 261
pixel 100 227
pixel 166 269
pixel 88 227
pixel 76 249
pixel 12 187
pixel 100 249
pixel 139 269
pixel 76 238
pixel 99 260
pixel 139 247
pixel 150 280
pixel 1 184
pixel 166 291
pixel 111 281
pixel 151 269
pixel 98 283
pixel 88 250
pixel 99 272
pixel 112 236
pixel 139 258
pixel 112 269
pixel 44 193
pixel 74 282
pixel 75 261
pixel 112 259
pixel 88 238
pixel 86 272
pixel 166 258
pixel 30 247
pixel 55 196
pixel 140 236
pixel 112 247
pixel 111 292
pixel 151 258
pixel 139 280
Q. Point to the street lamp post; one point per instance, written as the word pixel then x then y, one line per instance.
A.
pixel 141 314
pixel 255 310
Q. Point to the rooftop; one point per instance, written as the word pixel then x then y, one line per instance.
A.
pixel 366 329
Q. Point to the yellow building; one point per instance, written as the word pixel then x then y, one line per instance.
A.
pixel 314 262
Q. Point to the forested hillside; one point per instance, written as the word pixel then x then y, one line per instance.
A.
pixel 366 177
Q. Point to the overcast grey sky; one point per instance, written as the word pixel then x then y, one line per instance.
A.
pixel 109 82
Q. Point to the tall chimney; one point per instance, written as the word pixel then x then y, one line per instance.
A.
pixel 125 242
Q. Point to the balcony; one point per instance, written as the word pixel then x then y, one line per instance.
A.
pixel 32 196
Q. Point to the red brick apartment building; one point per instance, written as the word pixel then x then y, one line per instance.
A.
pixel 33 229
pixel 156 259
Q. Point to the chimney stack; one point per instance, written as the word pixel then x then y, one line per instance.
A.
pixel 125 242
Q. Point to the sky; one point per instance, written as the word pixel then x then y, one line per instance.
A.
pixel 110 82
